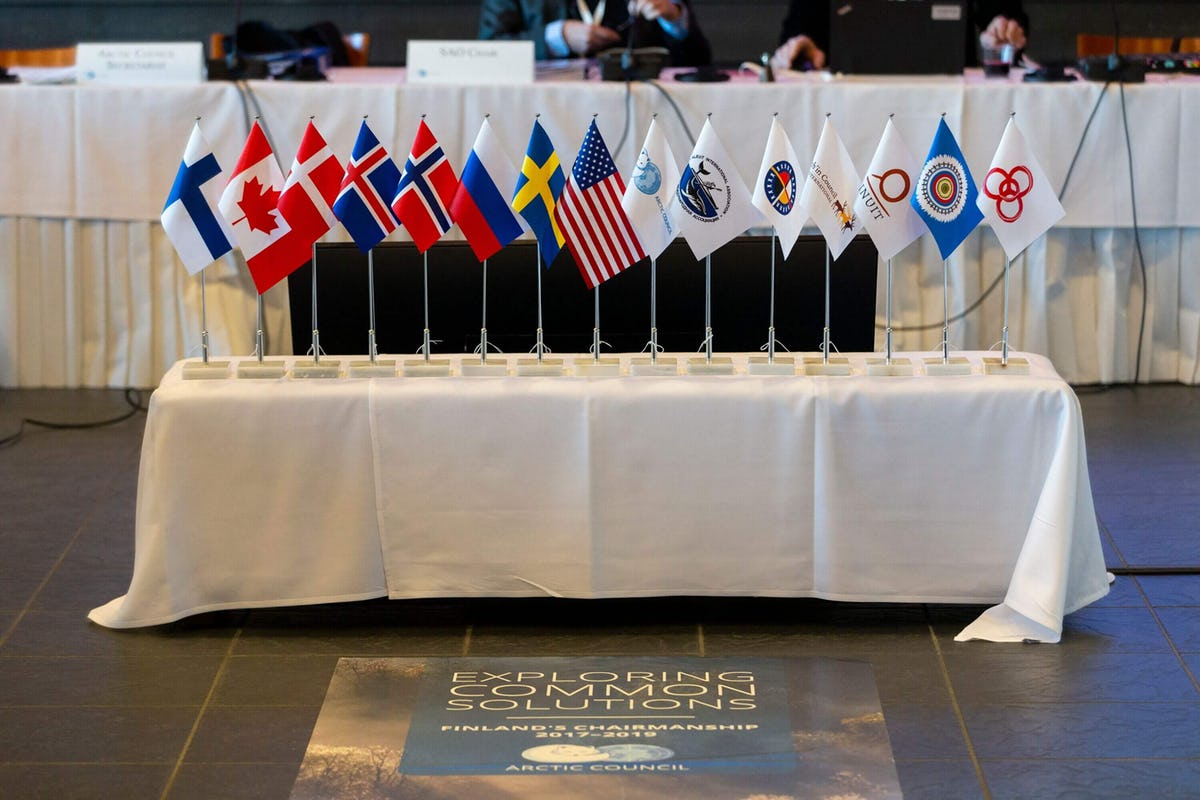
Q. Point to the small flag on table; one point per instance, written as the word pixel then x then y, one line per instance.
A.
pixel 427 185
pixel 883 198
pixel 589 212
pixel 199 234
pixel 649 200
pixel 714 204
pixel 367 187
pixel 829 192
pixel 480 205
pixel 945 196
pixel 776 190
pixel 538 189
pixel 250 203
pixel 1017 199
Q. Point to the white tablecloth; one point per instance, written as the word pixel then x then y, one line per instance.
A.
pixel 970 489
pixel 91 294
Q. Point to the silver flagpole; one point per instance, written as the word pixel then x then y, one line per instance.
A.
pixel 259 339
pixel 888 335
pixel 538 264
pixel 203 321
pixel 708 309
pixel 316 334
pixel 425 278
pixel 825 336
pixel 372 349
pixel 1004 329
pixel 653 310
pixel 483 323
pixel 596 329
pixel 771 321
pixel 945 311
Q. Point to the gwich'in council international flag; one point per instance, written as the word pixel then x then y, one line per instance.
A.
pixel 829 191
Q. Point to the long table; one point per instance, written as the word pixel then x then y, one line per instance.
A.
pixel 922 489
pixel 92 294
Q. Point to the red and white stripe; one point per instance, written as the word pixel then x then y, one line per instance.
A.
pixel 597 230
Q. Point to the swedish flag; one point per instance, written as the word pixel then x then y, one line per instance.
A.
pixel 538 187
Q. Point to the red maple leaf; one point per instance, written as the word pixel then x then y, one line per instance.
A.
pixel 257 203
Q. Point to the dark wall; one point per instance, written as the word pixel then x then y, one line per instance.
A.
pixel 739 30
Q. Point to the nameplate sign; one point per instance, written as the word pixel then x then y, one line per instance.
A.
pixel 470 61
pixel 140 62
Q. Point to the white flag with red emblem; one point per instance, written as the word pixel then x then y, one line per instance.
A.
pixel 1015 197
pixel 883 198
pixel 829 191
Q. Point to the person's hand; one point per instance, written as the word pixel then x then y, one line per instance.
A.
pixel 1003 30
pixel 584 39
pixel 798 50
pixel 653 9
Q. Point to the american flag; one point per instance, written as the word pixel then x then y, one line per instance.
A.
pixel 597 231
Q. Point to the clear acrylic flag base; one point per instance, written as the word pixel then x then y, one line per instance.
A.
pixel 205 370
pixel 588 367
pixel 993 365
pixel 642 365
pixel 495 367
pixel 836 365
pixel 546 368
pixel 955 365
pixel 763 365
pixel 433 368
pixel 718 365
pixel 879 367
pixel 267 369
pixel 310 368
pixel 379 368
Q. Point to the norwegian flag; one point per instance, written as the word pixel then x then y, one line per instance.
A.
pixel 598 233
pixel 370 181
pixel 422 202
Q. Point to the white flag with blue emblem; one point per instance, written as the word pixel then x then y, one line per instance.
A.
pixel 714 204
pixel 200 235
pixel 649 200
pixel 829 191
pixel 776 189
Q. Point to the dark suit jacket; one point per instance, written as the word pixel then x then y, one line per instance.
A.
pixel 527 19
pixel 811 17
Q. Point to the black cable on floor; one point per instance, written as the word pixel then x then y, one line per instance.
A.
pixel 1154 570
pixel 132 398
pixel 1137 239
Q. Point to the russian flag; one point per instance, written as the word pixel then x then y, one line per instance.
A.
pixel 480 205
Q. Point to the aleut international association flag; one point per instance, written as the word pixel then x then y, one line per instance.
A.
pixel 776 189
pixel 883 197
pixel 714 204
pixel 1016 198
pixel 199 234
pixel 945 197
pixel 250 203
pixel 598 233
pixel 538 189
pixel 368 186
pixel 427 185
pixel 829 191
pixel 480 205
pixel 650 201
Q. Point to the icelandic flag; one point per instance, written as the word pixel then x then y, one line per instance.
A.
pixel 199 234
pixel 369 184
pixel 427 185
pixel 480 205
pixel 538 189
pixel 945 196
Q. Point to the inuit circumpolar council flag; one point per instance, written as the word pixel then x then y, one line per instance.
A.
pixel 650 198
pixel 776 188
pixel 714 205
pixel 829 192
pixel 883 198
pixel 1015 197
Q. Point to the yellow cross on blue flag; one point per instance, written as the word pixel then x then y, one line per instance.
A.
pixel 538 189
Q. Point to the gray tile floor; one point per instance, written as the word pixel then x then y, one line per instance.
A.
pixel 221 706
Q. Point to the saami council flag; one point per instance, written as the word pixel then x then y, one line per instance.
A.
pixel 367 187
pixel 199 234
pixel 776 188
pixel 538 188
pixel 945 197
pixel 250 203
pixel 598 233
pixel 650 201
pixel 829 191
pixel 480 205
pixel 714 205
pixel 427 185
pixel 883 198
pixel 304 205
pixel 1017 200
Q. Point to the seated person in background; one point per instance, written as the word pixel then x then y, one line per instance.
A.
pixel 573 28
pixel 805 36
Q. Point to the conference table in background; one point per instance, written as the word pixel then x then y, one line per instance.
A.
pixel 92 294
pixel 922 489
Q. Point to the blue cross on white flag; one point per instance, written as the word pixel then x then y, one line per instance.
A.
pixel 200 235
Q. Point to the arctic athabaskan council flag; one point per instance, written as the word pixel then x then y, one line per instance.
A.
pixel 883 198
pixel 199 234
pixel 714 205
pixel 829 192
pixel 776 188
pixel 649 199
pixel 1017 199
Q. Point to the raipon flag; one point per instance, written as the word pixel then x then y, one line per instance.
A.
pixel 480 205
pixel 650 201
pixel 883 197
pixel 599 235
pixel 714 205
pixel 829 191
pixel 776 189
pixel 945 196
pixel 198 233
pixel 427 185
pixel 1017 199
pixel 367 187
pixel 538 188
